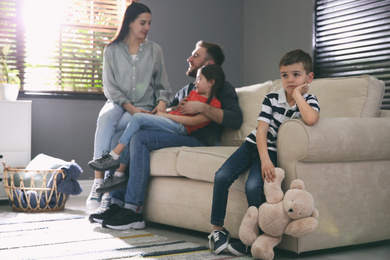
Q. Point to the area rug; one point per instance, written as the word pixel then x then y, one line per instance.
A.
pixel 68 236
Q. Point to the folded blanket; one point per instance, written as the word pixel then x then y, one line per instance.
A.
pixel 69 184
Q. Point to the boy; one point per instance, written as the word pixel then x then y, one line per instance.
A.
pixel 258 152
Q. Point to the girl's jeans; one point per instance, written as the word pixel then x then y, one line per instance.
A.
pixel 148 122
pixel 244 158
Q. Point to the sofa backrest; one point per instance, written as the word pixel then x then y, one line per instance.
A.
pixel 250 99
pixel 359 96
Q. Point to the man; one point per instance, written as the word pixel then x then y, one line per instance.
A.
pixel 126 209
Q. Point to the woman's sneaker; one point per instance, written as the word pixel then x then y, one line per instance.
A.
pixel 239 249
pixel 219 240
pixel 104 163
pixel 94 198
pixel 105 203
pixel 112 210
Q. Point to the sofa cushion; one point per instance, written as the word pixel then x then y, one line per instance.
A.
pixel 201 163
pixel 250 99
pixel 163 162
pixel 359 96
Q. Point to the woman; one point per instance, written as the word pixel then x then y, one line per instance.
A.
pixel 134 81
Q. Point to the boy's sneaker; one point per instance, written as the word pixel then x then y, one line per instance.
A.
pixel 94 198
pixel 239 249
pixel 125 219
pixel 219 240
pixel 104 163
pixel 100 217
pixel 113 182
pixel 105 203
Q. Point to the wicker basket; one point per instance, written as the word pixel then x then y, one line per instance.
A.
pixel 27 191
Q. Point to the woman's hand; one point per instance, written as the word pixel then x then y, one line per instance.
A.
pixel 161 107
pixel 133 110
pixel 161 114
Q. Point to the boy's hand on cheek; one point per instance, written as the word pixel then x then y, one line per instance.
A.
pixel 301 89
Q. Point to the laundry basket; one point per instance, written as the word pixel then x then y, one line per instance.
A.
pixel 34 190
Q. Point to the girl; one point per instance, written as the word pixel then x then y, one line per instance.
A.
pixel 209 79
pixel 134 81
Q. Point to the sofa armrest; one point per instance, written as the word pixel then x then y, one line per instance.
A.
pixel 333 140
pixel 344 163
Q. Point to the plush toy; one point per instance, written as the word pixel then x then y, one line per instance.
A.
pixel 292 213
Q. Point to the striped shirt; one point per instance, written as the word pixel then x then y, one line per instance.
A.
pixel 275 110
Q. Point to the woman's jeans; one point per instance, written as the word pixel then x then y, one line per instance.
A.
pixel 148 122
pixel 244 158
pixel 112 118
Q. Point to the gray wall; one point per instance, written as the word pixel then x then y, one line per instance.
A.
pixel 177 25
pixel 272 28
pixel 254 34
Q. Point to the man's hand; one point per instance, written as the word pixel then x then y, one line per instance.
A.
pixel 192 107
pixel 182 102
pixel 196 107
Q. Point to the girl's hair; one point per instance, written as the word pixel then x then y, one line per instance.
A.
pixel 213 72
pixel 132 13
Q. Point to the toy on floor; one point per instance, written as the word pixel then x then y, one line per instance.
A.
pixel 292 213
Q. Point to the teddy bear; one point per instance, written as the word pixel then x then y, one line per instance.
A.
pixel 292 213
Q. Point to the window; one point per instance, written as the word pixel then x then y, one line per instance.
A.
pixel 57 45
pixel 352 37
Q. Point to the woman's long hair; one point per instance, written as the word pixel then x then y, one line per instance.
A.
pixel 132 12
pixel 213 72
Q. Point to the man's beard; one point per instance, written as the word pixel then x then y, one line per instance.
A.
pixel 191 72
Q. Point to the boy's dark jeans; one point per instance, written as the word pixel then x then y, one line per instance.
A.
pixel 244 158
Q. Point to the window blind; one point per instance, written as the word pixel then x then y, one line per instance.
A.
pixel 57 45
pixel 352 37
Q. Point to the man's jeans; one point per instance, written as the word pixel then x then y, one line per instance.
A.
pixel 141 144
pixel 244 158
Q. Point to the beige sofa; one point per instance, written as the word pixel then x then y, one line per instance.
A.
pixel 344 161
